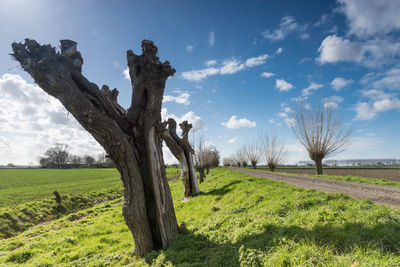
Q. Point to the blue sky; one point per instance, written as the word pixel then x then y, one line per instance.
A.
pixel 240 66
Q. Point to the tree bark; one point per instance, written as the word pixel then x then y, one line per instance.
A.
pixel 318 166
pixel 201 175
pixel 182 150
pixel 131 138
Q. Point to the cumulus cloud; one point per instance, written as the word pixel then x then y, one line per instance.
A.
pixel 372 53
pixel 338 83
pixel 279 50
pixel 311 88
pixel 182 98
pixel 228 66
pixel 334 49
pixel 211 62
pixel 34 121
pixel 332 102
pixel 191 117
pixel 283 86
pixel 370 17
pixel 232 140
pixel 379 101
pixel 288 25
pixel 267 74
pixel 235 123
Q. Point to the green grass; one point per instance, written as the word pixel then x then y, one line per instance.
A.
pixel 347 178
pixel 21 185
pixel 238 220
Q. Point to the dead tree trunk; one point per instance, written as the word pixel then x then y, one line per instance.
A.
pixel 131 138
pixel 183 151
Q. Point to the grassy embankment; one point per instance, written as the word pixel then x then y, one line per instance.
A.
pixel 237 220
pixel 346 178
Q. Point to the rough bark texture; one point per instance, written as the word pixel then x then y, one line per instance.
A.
pixel 182 150
pixel 131 138
pixel 318 166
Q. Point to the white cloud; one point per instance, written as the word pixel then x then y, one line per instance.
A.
pixel 334 49
pixel 332 102
pixel 126 73
pixel 379 101
pixel 287 26
pixel 312 87
pixel 279 50
pixel 372 53
pixel 183 98
pixel 267 74
pixel 189 48
pixel 391 80
pixel 283 86
pixel 191 117
pixel 364 111
pixel 338 83
pixel 228 66
pixel 211 62
pixel 34 121
pixel 368 18
pixel 211 39
pixel 234 123
pixel 232 140
pixel 304 36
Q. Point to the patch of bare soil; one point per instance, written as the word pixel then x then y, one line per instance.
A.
pixel 379 194
pixel 388 174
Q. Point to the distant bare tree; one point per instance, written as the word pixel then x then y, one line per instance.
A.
pixel 76 160
pixel 252 153
pixel 200 159
pixel 89 160
pixel 58 155
pixel 242 157
pixel 272 150
pixel 320 130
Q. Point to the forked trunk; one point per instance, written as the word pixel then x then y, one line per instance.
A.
pixel 131 138
pixel 182 150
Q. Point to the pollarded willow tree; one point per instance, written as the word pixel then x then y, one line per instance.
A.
pixel 321 131
pixel 132 138
pixel 182 150
pixel 272 150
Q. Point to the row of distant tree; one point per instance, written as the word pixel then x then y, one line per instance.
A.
pixel 58 157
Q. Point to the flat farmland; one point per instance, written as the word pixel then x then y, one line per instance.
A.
pixel 379 173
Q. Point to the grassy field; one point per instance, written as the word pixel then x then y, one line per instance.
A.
pixel 347 178
pixel 238 220
pixel 21 185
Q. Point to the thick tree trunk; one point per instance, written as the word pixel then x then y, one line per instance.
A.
pixel 131 138
pixel 318 166
pixel 182 150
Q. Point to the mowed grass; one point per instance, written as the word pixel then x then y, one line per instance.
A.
pixel 238 220
pixel 21 185
pixel 346 178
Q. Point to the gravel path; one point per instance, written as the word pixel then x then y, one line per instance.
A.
pixel 379 194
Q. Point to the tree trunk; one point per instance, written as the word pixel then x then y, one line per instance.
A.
pixel 207 170
pixel 182 150
pixel 131 138
pixel 318 166
pixel 201 175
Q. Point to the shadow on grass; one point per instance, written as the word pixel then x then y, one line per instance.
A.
pixel 222 190
pixel 198 250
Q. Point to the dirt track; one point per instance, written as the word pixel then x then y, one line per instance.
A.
pixel 389 174
pixel 379 194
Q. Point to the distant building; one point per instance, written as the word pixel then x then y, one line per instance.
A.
pixel 354 162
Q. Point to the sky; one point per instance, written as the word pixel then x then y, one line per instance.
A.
pixel 240 68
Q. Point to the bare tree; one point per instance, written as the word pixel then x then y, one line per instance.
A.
pixel 76 160
pixel 241 157
pixel 89 160
pixel 320 130
pixel 200 159
pixel 58 155
pixel 252 154
pixel 132 137
pixel 272 150
pixel 183 151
